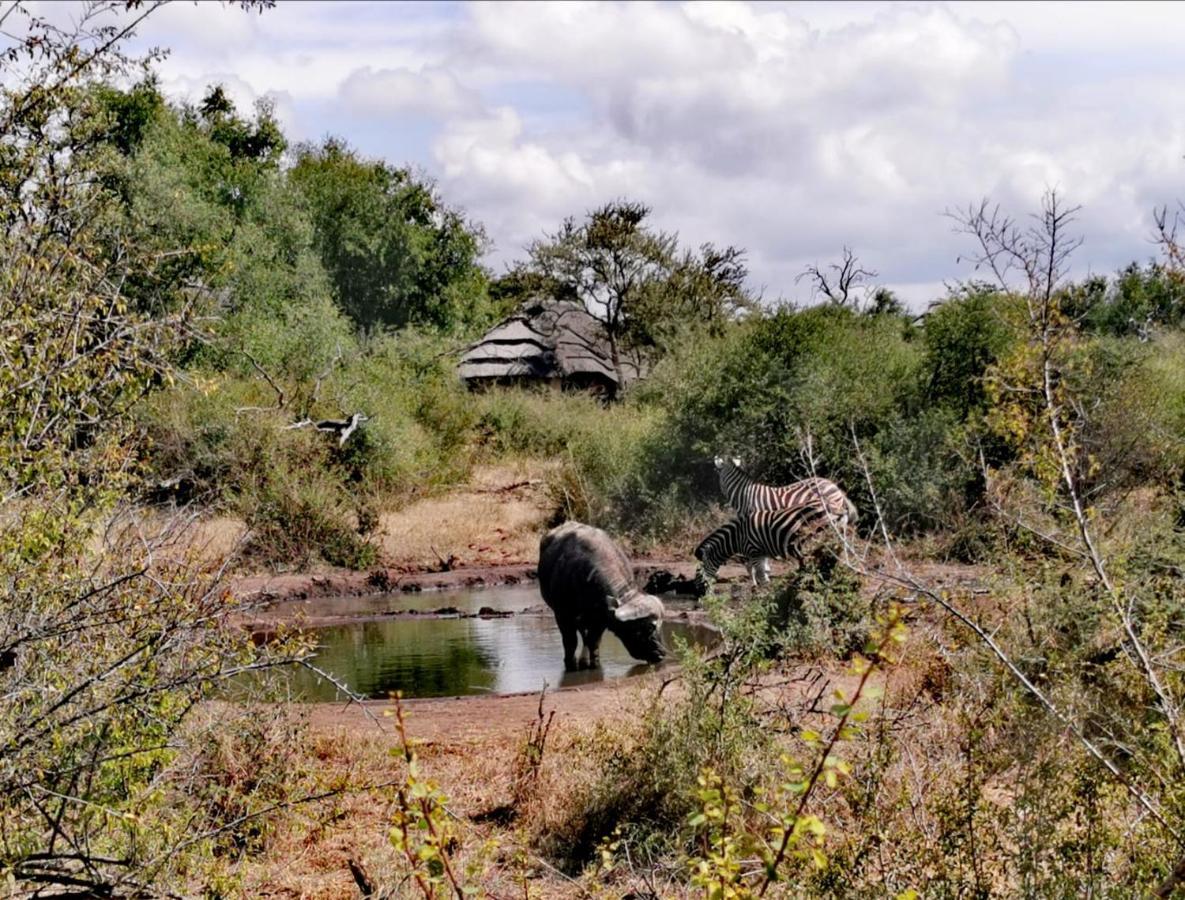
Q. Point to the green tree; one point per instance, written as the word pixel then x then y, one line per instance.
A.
pixel 1136 301
pixel 202 189
pixel 704 292
pixel 395 253
pixel 634 279
pixel 963 335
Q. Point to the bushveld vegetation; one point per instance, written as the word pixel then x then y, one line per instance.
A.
pixel 185 293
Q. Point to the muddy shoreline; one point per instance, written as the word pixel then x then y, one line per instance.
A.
pixel 265 590
pixel 273 600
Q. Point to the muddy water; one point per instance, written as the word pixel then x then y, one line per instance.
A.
pixel 456 653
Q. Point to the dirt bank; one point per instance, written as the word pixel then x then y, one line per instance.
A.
pixel 262 590
pixel 475 720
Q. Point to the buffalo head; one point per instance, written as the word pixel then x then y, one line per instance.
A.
pixel 636 624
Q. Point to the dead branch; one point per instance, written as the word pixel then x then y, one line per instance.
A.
pixel 1166 236
pixel 838 281
pixel 281 397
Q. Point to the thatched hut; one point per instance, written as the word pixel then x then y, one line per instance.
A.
pixel 551 342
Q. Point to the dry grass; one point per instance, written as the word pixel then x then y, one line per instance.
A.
pixel 470 746
pixel 497 518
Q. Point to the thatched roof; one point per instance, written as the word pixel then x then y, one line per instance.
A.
pixel 545 339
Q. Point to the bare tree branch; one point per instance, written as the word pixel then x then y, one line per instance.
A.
pixel 838 282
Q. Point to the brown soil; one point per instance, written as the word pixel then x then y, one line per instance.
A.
pixel 471 721
pixel 494 520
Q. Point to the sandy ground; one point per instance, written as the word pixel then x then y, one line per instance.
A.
pixel 496 519
pixel 478 720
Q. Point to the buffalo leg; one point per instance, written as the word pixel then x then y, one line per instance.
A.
pixel 569 637
pixel 592 645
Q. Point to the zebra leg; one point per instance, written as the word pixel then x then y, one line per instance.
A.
pixel 763 567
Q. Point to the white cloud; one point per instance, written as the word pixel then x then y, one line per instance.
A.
pixel 789 129
pixel 433 92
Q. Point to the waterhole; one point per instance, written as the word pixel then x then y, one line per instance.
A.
pixel 437 645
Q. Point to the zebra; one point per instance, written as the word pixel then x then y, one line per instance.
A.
pixel 756 536
pixel 746 495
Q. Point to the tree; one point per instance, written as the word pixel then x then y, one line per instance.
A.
pixel 703 290
pixel 395 253
pixel 260 141
pixel 633 278
pixel 609 263
pixel 838 282
pixel 201 186
pixel 885 303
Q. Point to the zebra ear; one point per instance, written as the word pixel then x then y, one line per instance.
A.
pixel 736 461
pixel 719 462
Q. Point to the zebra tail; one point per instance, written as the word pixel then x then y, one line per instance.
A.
pixel 853 513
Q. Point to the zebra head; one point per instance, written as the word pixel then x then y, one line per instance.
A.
pixel 715 550
pixel 733 481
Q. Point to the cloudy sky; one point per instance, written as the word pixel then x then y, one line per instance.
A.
pixel 789 129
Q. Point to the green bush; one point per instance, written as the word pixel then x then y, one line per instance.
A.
pixel 771 389
pixel 962 336
pixel 542 423
pixel 290 492
pixel 1139 299
pixel 643 781
pixel 1138 427
pixel 818 610
pixel 291 486
pixel 924 467
pixel 422 418
pixel 221 439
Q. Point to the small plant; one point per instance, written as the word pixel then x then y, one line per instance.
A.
pixel 529 761
pixel 743 848
pixel 420 826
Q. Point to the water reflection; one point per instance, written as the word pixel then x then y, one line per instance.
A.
pixel 512 598
pixel 425 657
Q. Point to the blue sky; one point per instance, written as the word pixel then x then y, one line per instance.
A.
pixel 789 129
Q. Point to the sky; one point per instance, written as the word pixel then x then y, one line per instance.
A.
pixel 789 129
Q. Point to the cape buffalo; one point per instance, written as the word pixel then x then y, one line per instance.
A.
pixel 588 582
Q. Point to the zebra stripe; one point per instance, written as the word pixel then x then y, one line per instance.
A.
pixel 748 495
pixel 776 533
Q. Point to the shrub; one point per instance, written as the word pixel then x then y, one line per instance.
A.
pixel 422 418
pixel 771 390
pixel 925 470
pixel 233 765
pixel 525 422
pixel 962 336
pixel 818 609
pixel 1137 427
pixel 223 439
pixel 1137 300
pixel 641 786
